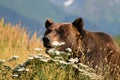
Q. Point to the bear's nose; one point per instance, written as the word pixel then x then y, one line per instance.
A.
pixel 46 40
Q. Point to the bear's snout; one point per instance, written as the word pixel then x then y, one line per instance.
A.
pixel 46 41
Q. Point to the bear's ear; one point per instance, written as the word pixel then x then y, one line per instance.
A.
pixel 48 23
pixel 78 23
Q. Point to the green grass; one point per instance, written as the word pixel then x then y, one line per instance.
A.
pixel 53 69
pixel 118 40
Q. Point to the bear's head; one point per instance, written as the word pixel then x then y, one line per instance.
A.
pixel 70 34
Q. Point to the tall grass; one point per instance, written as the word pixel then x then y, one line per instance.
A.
pixel 15 40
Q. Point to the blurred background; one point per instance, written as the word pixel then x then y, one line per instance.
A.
pixel 98 15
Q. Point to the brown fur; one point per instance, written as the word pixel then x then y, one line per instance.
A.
pixel 96 47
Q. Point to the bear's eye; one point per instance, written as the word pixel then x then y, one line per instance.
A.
pixel 60 31
pixel 48 31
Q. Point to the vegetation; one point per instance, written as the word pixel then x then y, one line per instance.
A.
pixel 118 40
pixel 15 41
pixel 23 58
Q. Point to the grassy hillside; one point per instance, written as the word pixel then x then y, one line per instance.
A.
pixel 15 41
pixel 24 58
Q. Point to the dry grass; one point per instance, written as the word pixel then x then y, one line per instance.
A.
pixel 15 40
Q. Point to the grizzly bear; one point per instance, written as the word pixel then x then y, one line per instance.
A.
pixel 92 48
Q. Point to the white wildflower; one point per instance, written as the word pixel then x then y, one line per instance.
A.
pixel 15 76
pixel 59 58
pixel 57 52
pixel 68 54
pixel 27 69
pixel 68 49
pixel 75 66
pixel 63 62
pixel 44 60
pixel 38 49
pixel 2 61
pixel 22 65
pixel 73 60
pixel 51 50
pixel 85 66
pixel 15 56
pixel 30 58
pixel 62 43
pixel 43 56
pixel 37 57
pixel 56 43
pixel 21 69
pixel 54 52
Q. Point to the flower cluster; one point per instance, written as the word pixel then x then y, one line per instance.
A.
pixel 62 55
pixel 73 60
pixel 15 57
pixel 56 43
pixel 2 61
pixel 42 59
